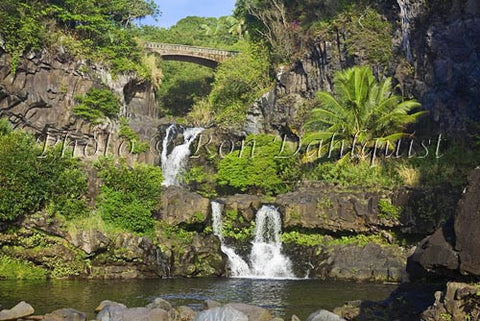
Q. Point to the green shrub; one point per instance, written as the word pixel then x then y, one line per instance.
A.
pixel 16 269
pixel 258 169
pixel 387 209
pixel 97 104
pixel 135 145
pixel 350 174
pixel 238 82
pixel 129 194
pixel 30 180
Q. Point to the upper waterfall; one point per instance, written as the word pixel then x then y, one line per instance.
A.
pixel 174 162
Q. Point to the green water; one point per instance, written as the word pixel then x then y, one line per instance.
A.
pixel 282 297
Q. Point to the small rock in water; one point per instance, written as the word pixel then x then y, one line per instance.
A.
pixel 182 313
pixel 160 303
pixel 295 318
pixel 22 309
pixel 108 303
pixel 210 304
pixel 253 313
pixel 224 313
pixel 66 315
pixel 324 315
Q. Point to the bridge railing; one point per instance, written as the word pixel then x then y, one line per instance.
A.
pixel 190 49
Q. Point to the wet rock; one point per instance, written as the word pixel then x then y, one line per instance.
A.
pixel 224 313
pixel 160 303
pixel 295 318
pixel 66 315
pixel 181 206
pixel 324 315
pixel 253 313
pixel 90 241
pixel 20 310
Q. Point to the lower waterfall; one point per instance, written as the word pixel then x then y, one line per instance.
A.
pixel 266 260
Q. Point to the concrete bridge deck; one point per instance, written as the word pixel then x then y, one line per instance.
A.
pixel 204 56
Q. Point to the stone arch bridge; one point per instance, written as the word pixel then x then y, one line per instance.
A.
pixel 203 56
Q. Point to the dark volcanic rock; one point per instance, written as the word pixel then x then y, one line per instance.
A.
pixel 181 206
pixel 452 251
pixel 467 227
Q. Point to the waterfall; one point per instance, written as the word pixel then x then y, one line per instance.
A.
pixel 266 258
pixel 238 266
pixel 407 16
pixel 175 161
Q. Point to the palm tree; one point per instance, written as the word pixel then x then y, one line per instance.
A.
pixel 362 110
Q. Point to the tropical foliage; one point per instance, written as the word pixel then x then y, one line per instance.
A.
pixel 362 110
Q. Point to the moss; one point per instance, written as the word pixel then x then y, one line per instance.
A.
pixel 18 269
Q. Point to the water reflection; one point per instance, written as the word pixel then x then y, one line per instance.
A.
pixel 283 297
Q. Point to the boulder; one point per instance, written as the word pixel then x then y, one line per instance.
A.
pixel 21 310
pixel 467 227
pixel 458 302
pixel 253 313
pixel 210 304
pixel 182 313
pixel 108 303
pixel 454 249
pixel 324 315
pixel 182 206
pixel 90 241
pixel 371 262
pixel 160 303
pixel 66 315
pixel 225 313
pixel 244 204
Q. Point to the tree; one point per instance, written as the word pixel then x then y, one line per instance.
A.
pixel 362 110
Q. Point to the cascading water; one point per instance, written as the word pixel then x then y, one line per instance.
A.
pixel 238 266
pixel 407 16
pixel 175 161
pixel 266 258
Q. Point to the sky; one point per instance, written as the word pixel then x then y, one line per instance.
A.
pixel 174 10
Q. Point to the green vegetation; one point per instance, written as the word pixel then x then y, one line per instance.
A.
pixel 135 145
pixel 96 105
pixel 17 269
pixel 258 167
pixel 129 195
pixel 362 111
pixel 98 30
pixel 31 181
pixel 387 209
pixel 235 227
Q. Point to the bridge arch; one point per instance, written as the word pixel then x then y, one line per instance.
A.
pixel 200 55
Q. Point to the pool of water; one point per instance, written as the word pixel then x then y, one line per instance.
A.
pixel 281 297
